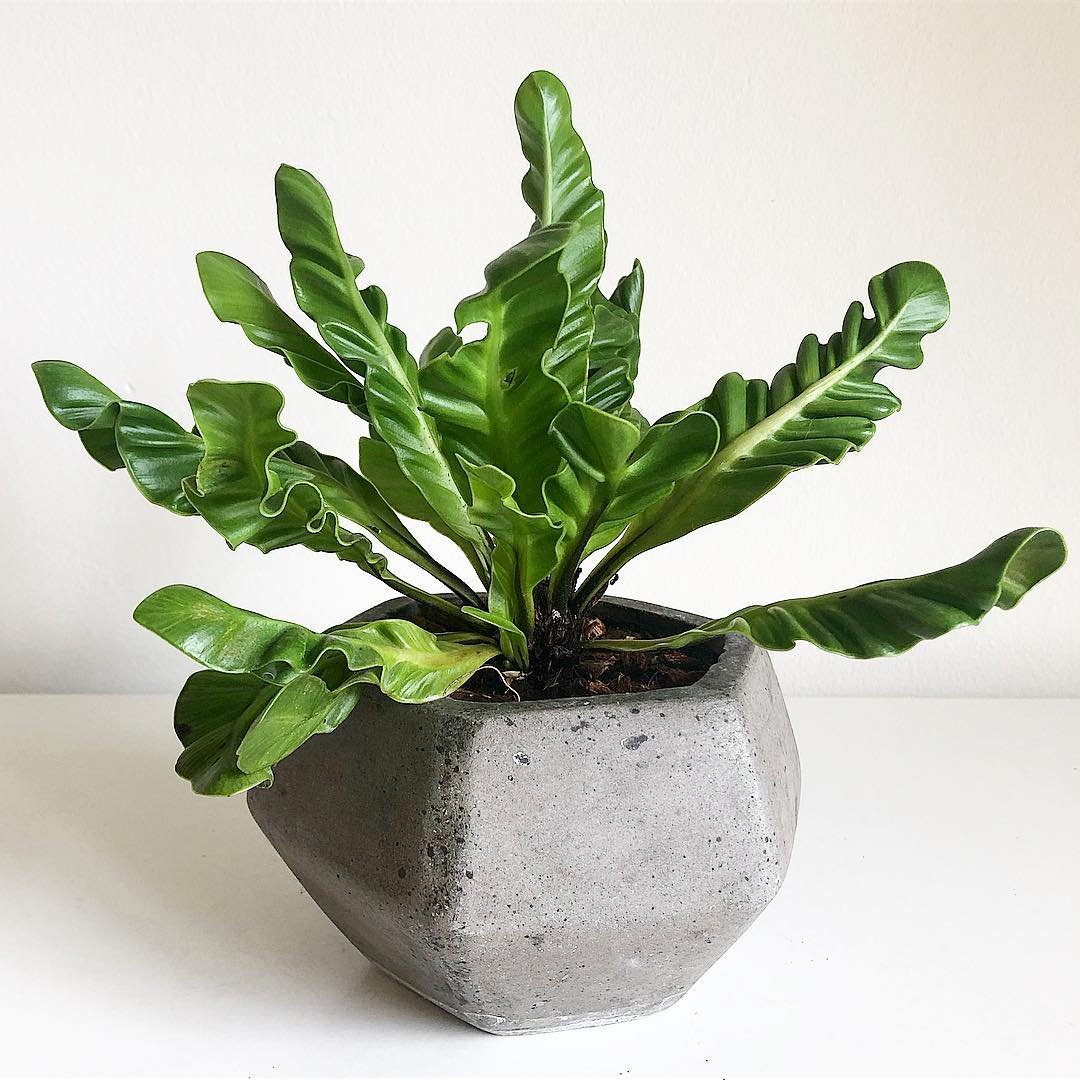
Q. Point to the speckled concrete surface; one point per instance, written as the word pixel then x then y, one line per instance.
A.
pixel 548 864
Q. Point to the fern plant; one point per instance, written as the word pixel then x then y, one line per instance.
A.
pixel 522 447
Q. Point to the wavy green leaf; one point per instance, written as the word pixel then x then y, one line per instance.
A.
pixel 666 454
pixel 241 433
pixel 213 714
pixel 524 553
pixel 558 187
pixel 409 663
pixel 238 295
pixel 815 410
pixel 611 474
pixel 885 618
pixel 613 358
pixel 493 400
pixel 305 707
pixel 256 485
pixel 597 447
pixel 629 293
pixel 354 324
pixel 446 342
pixel 156 451
pixel 235 727
pixel 616 345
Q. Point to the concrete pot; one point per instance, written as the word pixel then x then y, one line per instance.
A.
pixel 550 864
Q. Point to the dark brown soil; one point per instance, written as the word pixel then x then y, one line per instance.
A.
pixel 591 672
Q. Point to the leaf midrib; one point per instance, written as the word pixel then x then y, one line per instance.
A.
pixel 426 424
pixel 726 456
pixel 772 423
pixel 548 184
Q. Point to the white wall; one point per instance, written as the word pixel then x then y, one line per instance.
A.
pixel 763 161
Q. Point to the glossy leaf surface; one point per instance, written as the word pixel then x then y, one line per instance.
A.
pixel 238 295
pixel 213 714
pixel 156 451
pixel 354 324
pixel 235 727
pixel 524 553
pixel 492 400
pixel 665 455
pixel 613 473
pixel 597 447
pixel 256 485
pixel 815 410
pixel 300 709
pixel 558 188
pixel 888 617
pixel 408 662
pixel 616 344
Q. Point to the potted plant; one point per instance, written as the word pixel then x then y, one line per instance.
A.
pixel 536 804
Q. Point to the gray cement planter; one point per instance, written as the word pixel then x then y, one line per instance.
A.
pixel 550 864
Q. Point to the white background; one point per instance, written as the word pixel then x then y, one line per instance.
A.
pixel 763 162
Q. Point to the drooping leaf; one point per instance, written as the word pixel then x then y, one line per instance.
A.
pixel 492 400
pixel 523 556
pixel 885 618
pixel 213 714
pixel 238 295
pixel 414 665
pixel 558 187
pixel 410 663
pixel 156 451
pixel 82 404
pixel 302 708
pixel 354 324
pixel 815 410
pixel 236 727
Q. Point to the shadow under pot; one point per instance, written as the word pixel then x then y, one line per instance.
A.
pixel 548 864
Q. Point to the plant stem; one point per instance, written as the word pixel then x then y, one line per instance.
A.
pixel 445 576
pixel 595 585
pixel 438 603
pixel 562 581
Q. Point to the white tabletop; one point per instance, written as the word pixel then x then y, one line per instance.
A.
pixel 929 923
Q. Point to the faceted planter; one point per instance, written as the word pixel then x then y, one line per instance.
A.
pixel 549 864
